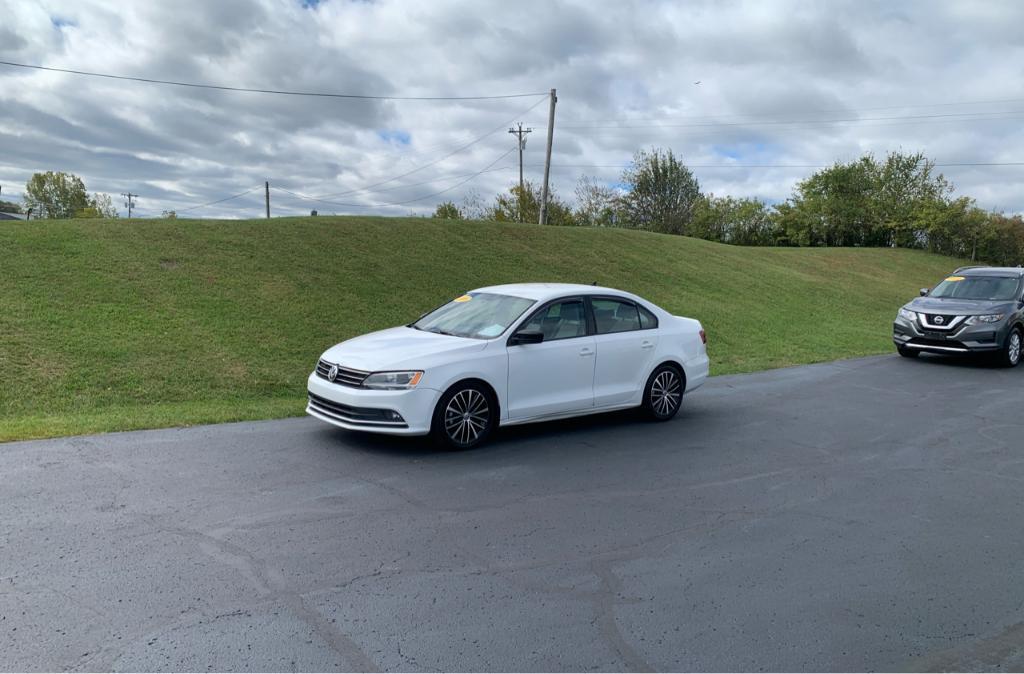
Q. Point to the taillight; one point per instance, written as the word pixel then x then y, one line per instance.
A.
pixel 703 337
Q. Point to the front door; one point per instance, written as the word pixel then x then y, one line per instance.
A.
pixel 556 375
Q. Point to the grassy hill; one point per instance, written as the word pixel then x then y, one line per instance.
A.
pixel 113 325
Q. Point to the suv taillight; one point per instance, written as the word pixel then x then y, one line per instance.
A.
pixel 703 336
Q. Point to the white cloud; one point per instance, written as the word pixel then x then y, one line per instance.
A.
pixel 615 65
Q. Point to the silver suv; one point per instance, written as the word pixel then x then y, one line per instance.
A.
pixel 974 310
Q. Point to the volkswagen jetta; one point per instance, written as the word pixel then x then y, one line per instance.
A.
pixel 511 354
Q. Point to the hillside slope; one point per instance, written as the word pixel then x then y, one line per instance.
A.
pixel 108 325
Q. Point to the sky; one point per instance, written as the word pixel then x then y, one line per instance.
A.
pixel 754 96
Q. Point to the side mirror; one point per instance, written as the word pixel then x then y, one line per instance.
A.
pixel 526 337
pixel 924 291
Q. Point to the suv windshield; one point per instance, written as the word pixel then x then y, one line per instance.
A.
pixel 476 315
pixel 995 288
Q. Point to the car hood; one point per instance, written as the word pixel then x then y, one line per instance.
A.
pixel 400 348
pixel 940 305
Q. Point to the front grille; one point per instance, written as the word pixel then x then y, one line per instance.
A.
pixel 363 416
pixel 346 375
pixel 948 322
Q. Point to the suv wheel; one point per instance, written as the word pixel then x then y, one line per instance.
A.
pixel 464 417
pixel 664 393
pixel 908 353
pixel 1010 355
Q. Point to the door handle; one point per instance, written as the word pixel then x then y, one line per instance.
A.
pixel 586 351
pixel 646 344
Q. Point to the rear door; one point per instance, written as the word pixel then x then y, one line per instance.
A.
pixel 556 375
pixel 626 339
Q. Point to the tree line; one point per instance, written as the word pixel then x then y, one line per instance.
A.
pixel 900 201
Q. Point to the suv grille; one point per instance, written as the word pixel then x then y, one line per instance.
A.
pixel 346 375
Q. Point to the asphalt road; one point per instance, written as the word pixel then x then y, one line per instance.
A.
pixel 859 515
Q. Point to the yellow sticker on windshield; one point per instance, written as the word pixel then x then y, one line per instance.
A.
pixel 955 278
pixel 464 298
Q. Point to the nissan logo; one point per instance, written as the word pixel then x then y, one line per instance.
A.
pixel 939 320
pixel 332 374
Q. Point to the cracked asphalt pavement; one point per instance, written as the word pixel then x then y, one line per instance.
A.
pixel 857 515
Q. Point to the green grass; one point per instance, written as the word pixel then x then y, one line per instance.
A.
pixel 117 325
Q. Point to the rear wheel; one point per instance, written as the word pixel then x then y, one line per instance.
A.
pixel 464 417
pixel 664 393
pixel 1011 352
pixel 908 353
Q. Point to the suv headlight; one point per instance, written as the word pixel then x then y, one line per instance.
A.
pixel 393 381
pixel 908 315
pixel 989 318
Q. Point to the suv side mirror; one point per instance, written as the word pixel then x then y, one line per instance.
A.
pixel 527 337
pixel 924 291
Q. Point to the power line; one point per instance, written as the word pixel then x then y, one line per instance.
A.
pixel 406 201
pixel 319 94
pixel 218 201
pixel 823 111
pixel 439 160
pixel 987 115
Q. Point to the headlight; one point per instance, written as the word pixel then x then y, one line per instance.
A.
pixel 908 315
pixel 990 318
pixel 393 381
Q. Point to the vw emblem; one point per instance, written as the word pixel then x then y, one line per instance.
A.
pixel 939 320
pixel 332 374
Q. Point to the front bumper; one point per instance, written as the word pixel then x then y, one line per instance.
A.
pixel 985 337
pixel 358 409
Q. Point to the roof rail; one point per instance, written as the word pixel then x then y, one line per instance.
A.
pixel 970 266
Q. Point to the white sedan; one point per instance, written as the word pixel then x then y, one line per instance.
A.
pixel 511 354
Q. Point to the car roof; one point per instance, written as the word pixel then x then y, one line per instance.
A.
pixel 547 291
pixel 990 271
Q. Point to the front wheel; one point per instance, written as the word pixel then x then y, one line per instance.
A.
pixel 464 417
pixel 664 393
pixel 1010 354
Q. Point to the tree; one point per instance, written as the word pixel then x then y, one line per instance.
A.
pixel 100 206
pixel 742 222
pixel 515 204
pixel 55 195
pixel 10 207
pixel 866 203
pixel 661 192
pixel 597 205
pixel 447 211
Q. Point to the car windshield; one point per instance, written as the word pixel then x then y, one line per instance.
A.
pixel 475 315
pixel 994 288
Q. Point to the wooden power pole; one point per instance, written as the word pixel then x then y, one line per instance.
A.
pixel 266 192
pixel 129 201
pixel 520 134
pixel 547 160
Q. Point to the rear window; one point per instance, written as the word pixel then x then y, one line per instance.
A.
pixel 993 288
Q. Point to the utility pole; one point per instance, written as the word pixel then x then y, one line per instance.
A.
pixel 547 160
pixel 266 187
pixel 129 202
pixel 520 133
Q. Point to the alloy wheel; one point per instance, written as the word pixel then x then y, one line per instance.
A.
pixel 1013 350
pixel 666 393
pixel 466 416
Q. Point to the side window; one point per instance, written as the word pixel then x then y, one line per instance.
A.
pixel 561 320
pixel 615 316
pixel 647 319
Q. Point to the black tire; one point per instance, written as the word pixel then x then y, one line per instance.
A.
pixel 663 394
pixel 908 353
pixel 465 416
pixel 1009 355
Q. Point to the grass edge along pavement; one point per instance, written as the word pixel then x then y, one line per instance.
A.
pixel 128 324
